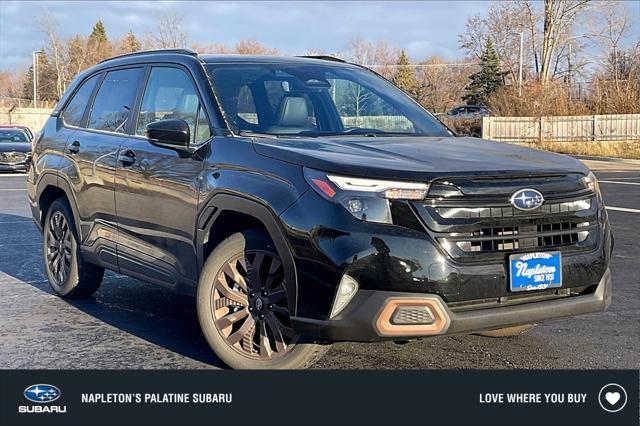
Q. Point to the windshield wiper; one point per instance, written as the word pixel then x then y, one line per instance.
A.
pixel 251 134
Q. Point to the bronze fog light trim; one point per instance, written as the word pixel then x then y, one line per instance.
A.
pixel 385 326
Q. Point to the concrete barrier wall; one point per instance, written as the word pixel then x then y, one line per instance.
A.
pixel 34 118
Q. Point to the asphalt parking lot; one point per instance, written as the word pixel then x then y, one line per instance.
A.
pixel 130 324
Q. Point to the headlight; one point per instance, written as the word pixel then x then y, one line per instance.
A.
pixel 591 182
pixel 366 199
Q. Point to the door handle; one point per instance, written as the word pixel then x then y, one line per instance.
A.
pixel 127 157
pixel 75 147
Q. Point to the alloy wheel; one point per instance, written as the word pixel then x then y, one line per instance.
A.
pixel 249 303
pixel 59 248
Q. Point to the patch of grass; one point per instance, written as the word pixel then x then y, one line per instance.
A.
pixel 615 149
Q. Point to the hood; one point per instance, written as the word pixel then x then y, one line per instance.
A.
pixel 15 147
pixel 416 157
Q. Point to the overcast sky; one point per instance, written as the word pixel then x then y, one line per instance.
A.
pixel 421 28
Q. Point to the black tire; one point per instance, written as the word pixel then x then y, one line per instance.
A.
pixel 73 277
pixel 509 331
pixel 230 316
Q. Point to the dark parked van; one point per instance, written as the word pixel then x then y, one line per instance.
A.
pixel 305 201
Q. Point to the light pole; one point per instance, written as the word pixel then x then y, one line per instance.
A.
pixel 520 64
pixel 35 54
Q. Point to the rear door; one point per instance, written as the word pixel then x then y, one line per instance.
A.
pixel 157 188
pixel 92 149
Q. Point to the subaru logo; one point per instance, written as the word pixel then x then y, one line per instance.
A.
pixel 527 199
pixel 259 304
pixel 42 393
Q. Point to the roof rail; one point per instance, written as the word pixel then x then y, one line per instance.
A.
pixel 324 58
pixel 146 52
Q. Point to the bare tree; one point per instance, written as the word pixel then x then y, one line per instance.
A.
pixel 242 47
pixel 169 33
pixel 55 49
pixel 558 19
pixel 203 48
pixel 253 47
pixel 532 18
pixel 550 33
pixel 616 85
pixel 441 84
pixel 11 84
pixel 80 54
pixel 379 56
pixel 502 23
pixel 613 28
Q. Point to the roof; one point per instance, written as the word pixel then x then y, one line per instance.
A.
pixel 24 129
pixel 186 56
pixel 267 59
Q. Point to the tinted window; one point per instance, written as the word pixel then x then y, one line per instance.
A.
pixel 170 94
pixel 275 90
pixel 360 107
pixel 74 111
pixel 247 106
pixel 204 131
pixel 316 99
pixel 114 100
pixel 13 136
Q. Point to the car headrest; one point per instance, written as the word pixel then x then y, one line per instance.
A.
pixel 293 111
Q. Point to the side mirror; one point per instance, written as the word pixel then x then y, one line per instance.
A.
pixel 169 133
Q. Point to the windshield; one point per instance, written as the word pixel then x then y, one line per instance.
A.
pixel 13 136
pixel 302 99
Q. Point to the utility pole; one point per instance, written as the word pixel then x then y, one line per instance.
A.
pixel 35 78
pixel 520 64
pixel 569 72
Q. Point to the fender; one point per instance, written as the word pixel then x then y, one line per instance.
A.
pixel 220 202
pixel 48 179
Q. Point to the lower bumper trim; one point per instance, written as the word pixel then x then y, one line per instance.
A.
pixel 360 321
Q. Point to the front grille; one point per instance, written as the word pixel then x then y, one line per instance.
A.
pixel 508 211
pixel 12 157
pixel 484 225
pixel 523 237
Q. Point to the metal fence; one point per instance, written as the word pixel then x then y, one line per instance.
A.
pixel 621 127
pixel 388 123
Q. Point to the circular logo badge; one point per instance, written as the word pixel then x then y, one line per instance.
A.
pixel 259 304
pixel 42 393
pixel 527 199
pixel 612 397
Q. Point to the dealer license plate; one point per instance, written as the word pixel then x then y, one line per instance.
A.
pixel 535 271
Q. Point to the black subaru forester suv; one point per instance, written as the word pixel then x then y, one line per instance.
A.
pixel 305 201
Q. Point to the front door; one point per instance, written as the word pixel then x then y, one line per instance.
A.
pixel 157 188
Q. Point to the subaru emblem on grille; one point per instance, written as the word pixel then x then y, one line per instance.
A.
pixel 527 199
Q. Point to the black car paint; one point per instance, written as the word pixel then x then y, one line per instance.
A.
pixel 20 147
pixel 154 219
pixel 416 157
pixel 15 146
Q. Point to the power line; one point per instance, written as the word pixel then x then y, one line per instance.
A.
pixel 466 64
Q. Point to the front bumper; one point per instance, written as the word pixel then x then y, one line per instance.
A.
pixel 17 167
pixel 361 320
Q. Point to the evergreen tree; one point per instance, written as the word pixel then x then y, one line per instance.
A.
pixel 98 43
pixel 46 80
pixel 130 43
pixel 487 80
pixel 405 77
pixel 99 33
